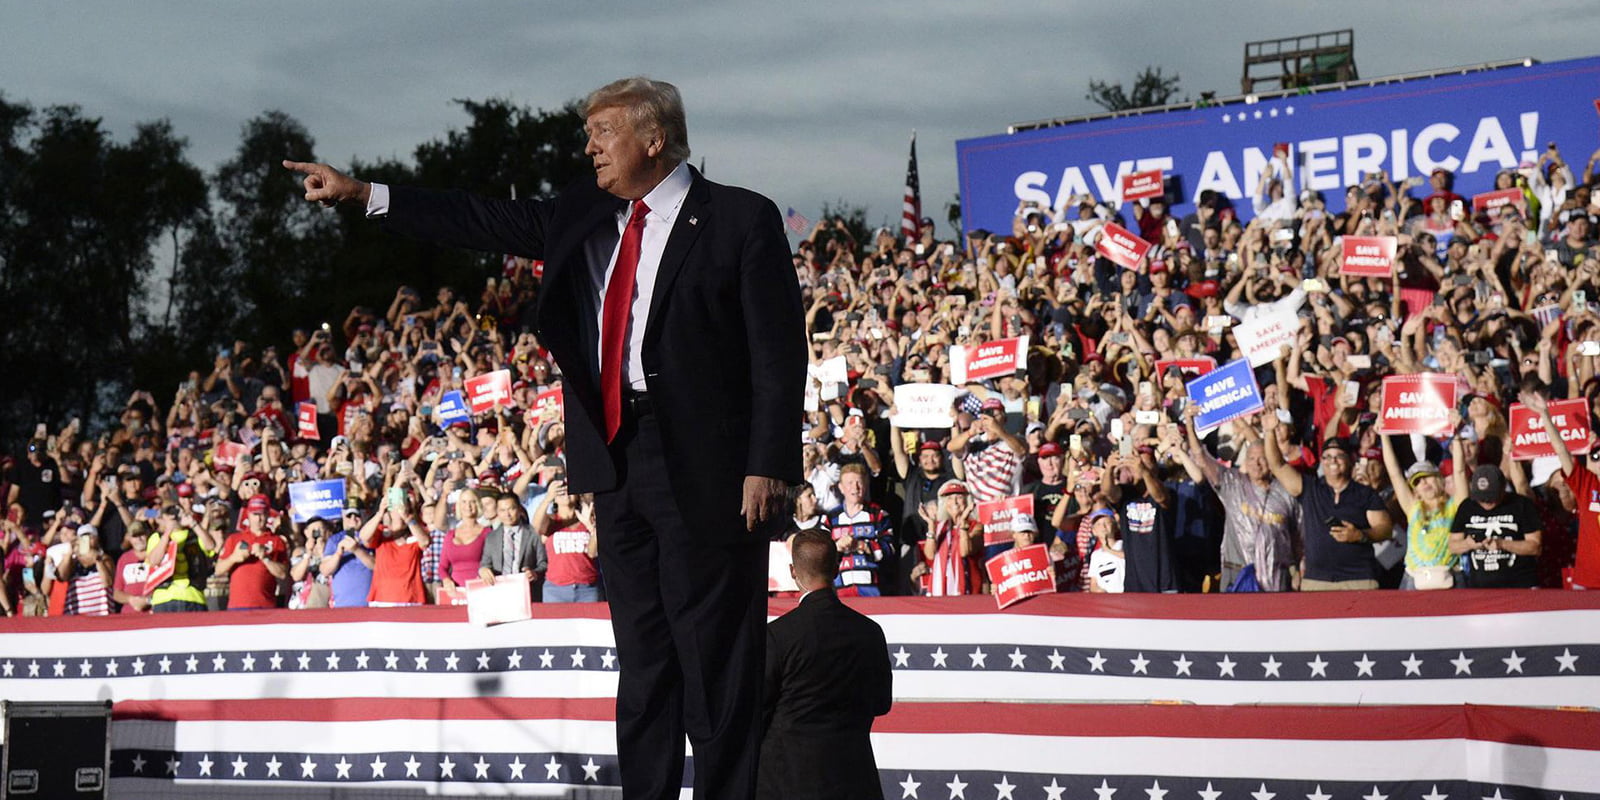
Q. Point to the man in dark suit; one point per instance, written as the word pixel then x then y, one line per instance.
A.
pixel 672 307
pixel 828 676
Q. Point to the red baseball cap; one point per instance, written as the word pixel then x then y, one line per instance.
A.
pixel 929 446
pixel 1049 449
pixel 256 504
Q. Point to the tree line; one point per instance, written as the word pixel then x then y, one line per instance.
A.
pixel 125 265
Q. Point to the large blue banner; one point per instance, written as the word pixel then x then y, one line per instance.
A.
pixel 1473 125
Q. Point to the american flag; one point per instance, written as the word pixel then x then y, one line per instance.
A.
pixel 796 221
pixel 911 215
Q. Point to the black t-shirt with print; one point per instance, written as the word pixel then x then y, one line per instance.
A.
pixel 1513 518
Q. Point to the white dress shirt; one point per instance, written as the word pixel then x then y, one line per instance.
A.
pixel 664 201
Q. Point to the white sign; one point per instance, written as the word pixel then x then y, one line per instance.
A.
pixel 924 405
pixel 1263 338
pixel 508 600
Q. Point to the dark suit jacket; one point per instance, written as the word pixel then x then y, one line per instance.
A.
pixel 828 676
pixel 724 353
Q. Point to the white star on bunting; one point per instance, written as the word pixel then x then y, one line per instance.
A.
pixel 1413 665
pixel 577 658
pixel 1057 661
pixel 1364 666
pixel 552 769
pixel 1226 665
pixel 413 766
pixel 378 765
pixel 517 767
pixel 1003 789
pixel 939 656
pixel 1513 662
pixel 1018 661
pixel 1182 665
pixel 239 765
pixel 909 787
pixel 591 770
pixel 1568 661
pixel 1141 665
pixel 1463 664
pixel 1270 667
pixel 978 656
pixel 1319 668
pixel 1097 662
pixel 957 788
pixel 902 658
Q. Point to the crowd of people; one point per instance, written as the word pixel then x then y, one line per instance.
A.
pixel 146 513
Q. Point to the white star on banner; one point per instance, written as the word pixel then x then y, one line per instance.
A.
pixel 1226 118
pixel 1270 666
pixel 1182 665
pixel 1104 791
pixel 451 660
pixel 977 655
pixel 138 665
pixel 276 660
pixel 1568 661
pixel 412 766
pixel 1318 794
pixel 343 767
pixel 1226 665
pixel 9 668
pixel 239 766
pixel 421 660
pixel 60 669
pixel 1375 795
pixel 33 669
pixel 577 658
pixel 248 662
pixel 902 657
pixel 304 660
pixel 1289 111
pixel 517 767
pixel 447 768
pixel 1435 794
pixel 192 663
pixel 1272 112
pixel 308 768
pixel 273 765
pixel 166 663
pixel 1155 792
pixel 1057 661
pixel 547 659
pixel 480 768
pixel 1258 114
pixel 391 661
pixel 172 766
pixel 957 788
pixel 1141 665
pixel 608 660
pixel 939 656
pixel 111 666
pixel 514 661
pixel 1018 661
pixel 138 764
pixel 333 661
pixel 1209 793
pixel 909 787
pixel 1097 662
pixel 1054 790
pixel 85 669
pixel 219 662
pixel 206 764
pixel 1463 664
pixel 1413 665
pixel 1513 662
pixel 552 769
pixel 1003 789
pixel 361 659
pixel 1319 668
pixel 1263 794
pixel 591 770
pixel 378 765
pixel 483 662
pixel 1364 666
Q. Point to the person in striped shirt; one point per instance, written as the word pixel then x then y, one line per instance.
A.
pixel 991 456
pixel 861 532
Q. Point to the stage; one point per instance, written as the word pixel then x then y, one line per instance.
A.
pixel 1376 695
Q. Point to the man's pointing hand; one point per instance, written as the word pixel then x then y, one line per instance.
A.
pixel 329 186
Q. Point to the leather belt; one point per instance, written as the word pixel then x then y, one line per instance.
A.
pixel 636 404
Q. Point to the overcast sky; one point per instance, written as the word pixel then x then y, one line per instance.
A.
pixel 807 102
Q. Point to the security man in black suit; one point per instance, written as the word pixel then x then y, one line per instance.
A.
pixel 828 676
pixel 671 305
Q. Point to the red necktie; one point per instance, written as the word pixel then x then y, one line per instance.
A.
pixel 615 312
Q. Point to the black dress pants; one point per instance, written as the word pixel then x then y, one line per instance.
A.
pixel 689 615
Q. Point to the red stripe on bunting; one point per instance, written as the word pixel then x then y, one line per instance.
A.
pixel 1221 607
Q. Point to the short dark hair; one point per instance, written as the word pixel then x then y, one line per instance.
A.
pixel 814 555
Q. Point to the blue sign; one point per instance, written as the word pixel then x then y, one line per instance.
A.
pixel 1225 393
pixel 311 499
pixel 453 407
pixel 1474 125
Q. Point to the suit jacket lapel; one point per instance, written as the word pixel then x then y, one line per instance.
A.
pixel 693 217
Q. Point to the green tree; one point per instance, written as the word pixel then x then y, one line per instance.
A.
pixel 1150 88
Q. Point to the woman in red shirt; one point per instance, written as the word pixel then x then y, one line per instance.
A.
pixel 566 526
pixel 398 541
pixel 463 547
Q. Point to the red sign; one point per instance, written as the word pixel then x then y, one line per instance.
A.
pixel 1489 201
pixel 1528 437
pixel 995 359
pixel 1140 185
pixel 1190 367
pixel 1371 256
pixel 1417 403
pixel 489 391
pixel 306 416
pixel 1020 573
pixel 227 454
pixel 548 404
pixel 1121 246
pixel 995 516
pixel 164 570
